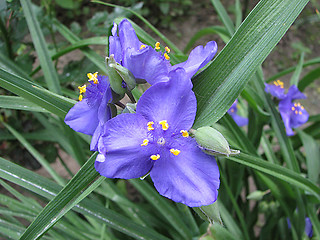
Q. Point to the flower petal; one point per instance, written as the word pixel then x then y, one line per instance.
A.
pixel 286 120
pixel 191 177
pixel 82 117
pixel 294 93
pixel 121 147
pixel 128 36
pixel 274 90
pixel 147 64
pixel 115 45
pixel 198 58
pixel 173 101
pixel 240 121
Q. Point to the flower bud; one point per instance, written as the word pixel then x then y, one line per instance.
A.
pixel 114 78
pixel 257 195
pixel 130 108
pixel 213 142
pixel 117 74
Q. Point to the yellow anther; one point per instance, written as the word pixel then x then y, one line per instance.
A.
pixel 295 105
pixel 232 110
pixel 157 45
pixel 292 108
pixel 302 107
pixel 300 113
pixel 82 89
pixel 167 49
pixel 150 126
pixel 145 142
pixel 164 124
pixel 143 46
pixel 80 97
pixel 275 83
pixel 175 151
pixel 93 77
pixel 184 133
pixel 155 157
pixel 299 104
pixel 166 56
pixel 296 112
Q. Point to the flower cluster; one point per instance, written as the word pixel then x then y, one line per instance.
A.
pixel 292 113
pixel 155 139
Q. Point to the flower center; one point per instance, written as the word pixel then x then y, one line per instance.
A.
pixel 161 141
pixel 278 83
pixel 297 108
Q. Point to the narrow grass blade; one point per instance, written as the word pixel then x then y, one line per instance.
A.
pixel 49 72
pixel 226 20
pixel 220 84
pixel 36 155
pixel 278 172
pixel 296 75
pixel 19 103
pixel 308 79
pixel 311 148
pixel 48 189
pixel 34 93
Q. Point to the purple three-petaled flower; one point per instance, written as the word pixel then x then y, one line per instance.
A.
pixel 155 140
pixel 307 229
pixel 240 121
pixel 92 112
pixel 148 63
pixel 293 114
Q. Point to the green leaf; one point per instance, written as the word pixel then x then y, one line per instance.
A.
pixel 220 31
pixel 226 20
pixel 296 75
pixel 278 172
pixel 209 213
pixel 48 189
pixel 49 72
pixel 309 78
pixel 19 103
pixel 311 148
pixel 220 84
pixel 36 94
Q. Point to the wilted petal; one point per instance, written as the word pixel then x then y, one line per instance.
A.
pixel 192 177
pixel 82 117
pixel 173 101
pixel 198 58
pixel 121 146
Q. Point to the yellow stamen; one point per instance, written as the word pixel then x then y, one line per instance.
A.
pixel 155 157
pixel 143 46
pixel 299 104
pixel 184 133
pixel 302 107
pixel 296 112
pixel 157 45
pixel 232 110
pixel 82 89
pixel 150 126
pixel 167 49
pixel 275 83
pixel 292 108
pixel 300 113
pixel 80 97
pixel 166 56
pixel 164 124
pixel 295 105
pixel 93 77
pixel 175 151
pixel 145 142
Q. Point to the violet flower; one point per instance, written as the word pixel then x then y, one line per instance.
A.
pixel 276 89
pixel 307 229
pixel 148 63
pixel 240 121
pixel 293 114
pixel 92 111
pixel 155 140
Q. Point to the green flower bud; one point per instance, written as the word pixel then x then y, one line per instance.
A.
pixel 257 195
pixel 213 142
pixel 130 108
pixel 114 78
